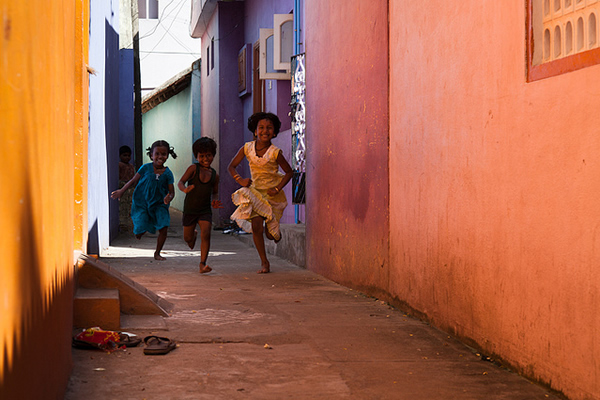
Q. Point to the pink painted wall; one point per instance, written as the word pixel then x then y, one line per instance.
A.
pixel 347 142
pixel 495 190
pixel 491 226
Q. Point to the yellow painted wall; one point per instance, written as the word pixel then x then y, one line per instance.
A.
pixel 43 137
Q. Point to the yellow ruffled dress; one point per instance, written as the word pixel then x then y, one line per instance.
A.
pixel 254 201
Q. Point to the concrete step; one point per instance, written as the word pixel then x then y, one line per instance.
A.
pixel 97 307
pixel 135 298
pixel 142 322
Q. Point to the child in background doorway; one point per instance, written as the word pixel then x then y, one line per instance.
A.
pixel 200 183
pixel 126 172
pixel 261 200
pixel 153 193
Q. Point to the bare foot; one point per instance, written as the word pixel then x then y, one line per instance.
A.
pixel 193 242
pixel 266 268
pixel 204 268
pixel 158 257
pixel 271 237
pixel 263 271
pixel 139 236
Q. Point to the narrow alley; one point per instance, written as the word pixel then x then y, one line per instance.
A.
pixel 441 170
pixel 289 334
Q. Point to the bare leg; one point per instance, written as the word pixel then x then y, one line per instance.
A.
pixel 160 242
pixel 205 227
pixel 259 243
pixel 190 235
pixel 269 236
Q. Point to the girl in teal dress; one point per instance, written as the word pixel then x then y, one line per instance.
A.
pixel 153 193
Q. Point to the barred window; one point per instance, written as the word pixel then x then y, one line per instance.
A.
pixel 562 36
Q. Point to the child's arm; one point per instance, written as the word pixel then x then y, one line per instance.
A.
pixel 216 203
pixel 169 197
pixel 285 166
pixel 188 174
pixel 118 193
pixel 233 165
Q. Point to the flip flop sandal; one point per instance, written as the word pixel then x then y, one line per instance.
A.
pixel 156 345
pixel 128 340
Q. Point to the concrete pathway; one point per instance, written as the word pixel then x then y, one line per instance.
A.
pixel 290 334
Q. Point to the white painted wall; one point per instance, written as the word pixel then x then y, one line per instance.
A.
pixel 166 47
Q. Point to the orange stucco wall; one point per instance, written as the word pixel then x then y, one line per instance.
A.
pixel 495 190
pixel 43 114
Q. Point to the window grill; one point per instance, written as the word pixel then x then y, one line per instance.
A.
pixel 298 129
pixel 562 36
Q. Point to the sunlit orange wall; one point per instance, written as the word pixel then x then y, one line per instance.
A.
pixel 495 190
pixel 43 131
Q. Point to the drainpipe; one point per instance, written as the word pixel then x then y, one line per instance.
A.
pixel 296 27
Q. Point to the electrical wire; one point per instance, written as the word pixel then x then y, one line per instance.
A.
pixel 158 21
pixel 160 18
pixel 182 3
pixel 180 42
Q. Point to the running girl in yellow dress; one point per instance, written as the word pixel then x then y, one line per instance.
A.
pixel 261 200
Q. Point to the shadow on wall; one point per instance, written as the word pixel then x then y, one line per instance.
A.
pixel 40 344
pixel 111 123
pixel 93 246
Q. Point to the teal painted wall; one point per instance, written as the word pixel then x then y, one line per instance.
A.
pixel 172 121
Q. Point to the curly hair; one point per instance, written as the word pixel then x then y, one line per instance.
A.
pixel 254 119
pixel 204 145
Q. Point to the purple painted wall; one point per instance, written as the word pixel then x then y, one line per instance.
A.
pixel 259 14
pixel 347 138
pixel 231 16
pixel 224 113
pixel 221 106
